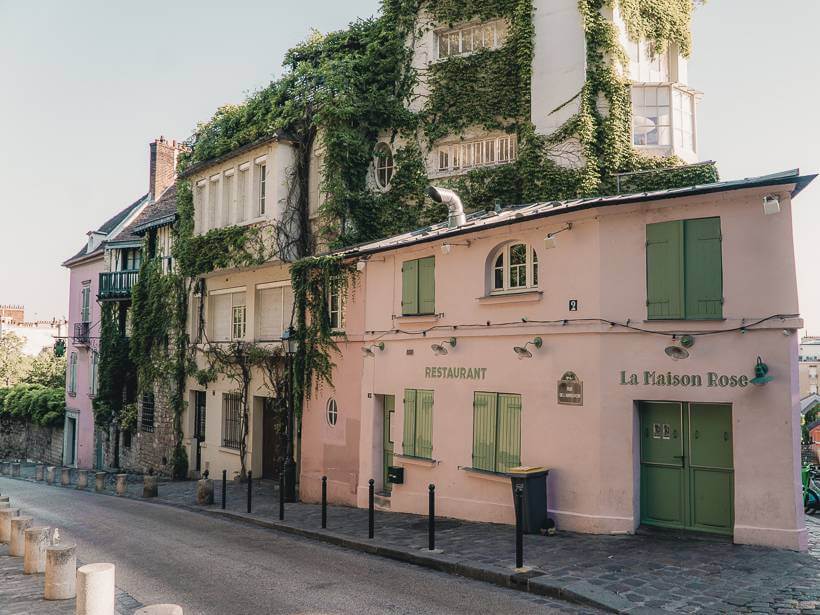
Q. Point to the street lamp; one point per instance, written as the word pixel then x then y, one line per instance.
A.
pixel 290 343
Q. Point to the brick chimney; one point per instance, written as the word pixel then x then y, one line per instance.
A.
pixel 163 165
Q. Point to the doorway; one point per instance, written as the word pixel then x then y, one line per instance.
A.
pixel 273 437
pixel 389 407
pixel 687 475
pixel 70 441
pixel 200 400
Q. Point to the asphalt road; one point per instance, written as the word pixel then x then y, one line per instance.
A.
pixel 213 566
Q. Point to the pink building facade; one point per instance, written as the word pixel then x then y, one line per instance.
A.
pixel 613 341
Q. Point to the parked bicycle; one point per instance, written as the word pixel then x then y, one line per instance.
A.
pixel 811 490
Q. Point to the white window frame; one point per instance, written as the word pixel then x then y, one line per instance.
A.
pixel 85 303
pixel 201 206
pixel 72 373
pixel 530 266
pixel 663 104
pixel 384 164
pixel 242 192
pixel 233 292
pixel 286 287
pixel 213 201
pixel 648 66
pixel 238 321
pixel 336 309
pixel 484 152
pixel 460 41
pixel 261 188
pixel 332 412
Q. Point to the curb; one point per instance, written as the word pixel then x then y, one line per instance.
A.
pixel 534 581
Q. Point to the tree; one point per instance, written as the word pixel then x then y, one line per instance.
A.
pixel 47 370
pixel 13 363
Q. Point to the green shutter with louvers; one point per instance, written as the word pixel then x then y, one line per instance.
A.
pixel 427 285
pixel 508 438
pixel 704 268
pixel 664 270
pixel 410 288
pixel 408 444
pixel 424 424
pixel 484 428
pixel 86 308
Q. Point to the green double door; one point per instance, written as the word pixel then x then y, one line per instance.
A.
pixel 687 478
pixel 387 444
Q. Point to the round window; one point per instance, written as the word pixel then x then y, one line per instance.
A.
pixel 332 412
pixel 383 164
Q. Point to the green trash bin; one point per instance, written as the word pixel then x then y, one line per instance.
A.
pixel 534 502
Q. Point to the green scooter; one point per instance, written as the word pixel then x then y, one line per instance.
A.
pixel 811 490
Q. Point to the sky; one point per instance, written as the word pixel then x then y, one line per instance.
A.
pixel 86 85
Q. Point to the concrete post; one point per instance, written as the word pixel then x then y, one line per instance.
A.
pixel 99 481
pixel 149 486
pixel 65 477
pixel 50 474
pixel 6 515
pixel 205 492
pixel 121 483
pixel 4 498
pixel 61 572
pixel 39 472
pixel 34 555
pixel 17 544
pixel 4 467
pixel 160 609
pixel 5 504
pixel 82 479
pixel 95 590
pixel 15 469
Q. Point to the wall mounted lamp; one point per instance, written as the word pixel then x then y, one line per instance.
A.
pixel 446 248
pixel 440 349
pixel 680 350
pixel 550 241
pixel 771 204
pixel 368 350
pixel 761 373
pixel 522 351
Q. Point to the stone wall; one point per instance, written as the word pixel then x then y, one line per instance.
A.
pixel 24 440
pixel 155 448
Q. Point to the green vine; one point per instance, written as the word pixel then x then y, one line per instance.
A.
pixel 117 373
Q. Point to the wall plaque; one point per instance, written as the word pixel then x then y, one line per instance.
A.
pixel 570 390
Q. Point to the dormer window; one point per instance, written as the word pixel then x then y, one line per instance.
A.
pixel 468 39
pixel 383 164
pixel 514 268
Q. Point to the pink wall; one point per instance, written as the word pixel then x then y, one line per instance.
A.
pixel 591 450
pixel 82 400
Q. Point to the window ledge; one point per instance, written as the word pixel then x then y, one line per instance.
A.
pixel 524 296
pixel 417 318
pixel 422 461
pixel 651 320
pixel 230 451
pixel 497 477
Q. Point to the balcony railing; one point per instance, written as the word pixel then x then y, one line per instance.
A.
pixel 82 333
pixel 117 284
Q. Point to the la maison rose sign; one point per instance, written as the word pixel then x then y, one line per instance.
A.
pixel 653 378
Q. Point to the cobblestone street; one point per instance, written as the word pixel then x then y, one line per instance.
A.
pixel 646 572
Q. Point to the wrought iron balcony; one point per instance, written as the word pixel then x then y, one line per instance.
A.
pixel 117 285
pixel 82 333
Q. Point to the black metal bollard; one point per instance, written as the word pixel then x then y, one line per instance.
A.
pixel 224 487
pixel 324 502
pixel 371 517
pixel 519 526
pixel 431 520
pixel 250 489
pixel 281 496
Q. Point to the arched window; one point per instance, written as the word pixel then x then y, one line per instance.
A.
pixel 383 164
pixel 332 412
pixel 514 268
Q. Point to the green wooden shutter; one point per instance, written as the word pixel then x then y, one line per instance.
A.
pixel 86 307
pixel 424 424
pixel 410 288
pixel 704 268
pixel 485 408
pixel 427 285
pixel 408 445
pixel 664 270
pixel 508 440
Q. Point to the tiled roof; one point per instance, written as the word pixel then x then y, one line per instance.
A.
pixel 521 213
pixel 158 213
pixel 106 228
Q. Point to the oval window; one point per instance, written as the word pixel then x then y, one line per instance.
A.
pixel 332 412
pixel 383 164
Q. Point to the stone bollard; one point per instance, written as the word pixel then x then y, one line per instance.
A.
pixel 65 477
pixel 39 472
pixel 17 542
pixel 61 572
pixel 50 474
pixel 4 498
pixel 99 481
pixel 15 469
pixel 160 609
pixel 95 589
pixel 4 467
pixel 34 553
pixel 149 486
pixel 82 479
pixel 205 492
pixel 4 504
pixel 121 484
pixel 6 515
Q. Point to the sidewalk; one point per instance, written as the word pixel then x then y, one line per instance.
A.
pixel 628 574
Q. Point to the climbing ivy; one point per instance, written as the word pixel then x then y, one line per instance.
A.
pixel 116 371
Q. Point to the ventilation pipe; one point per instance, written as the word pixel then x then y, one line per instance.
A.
pixel 453 201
